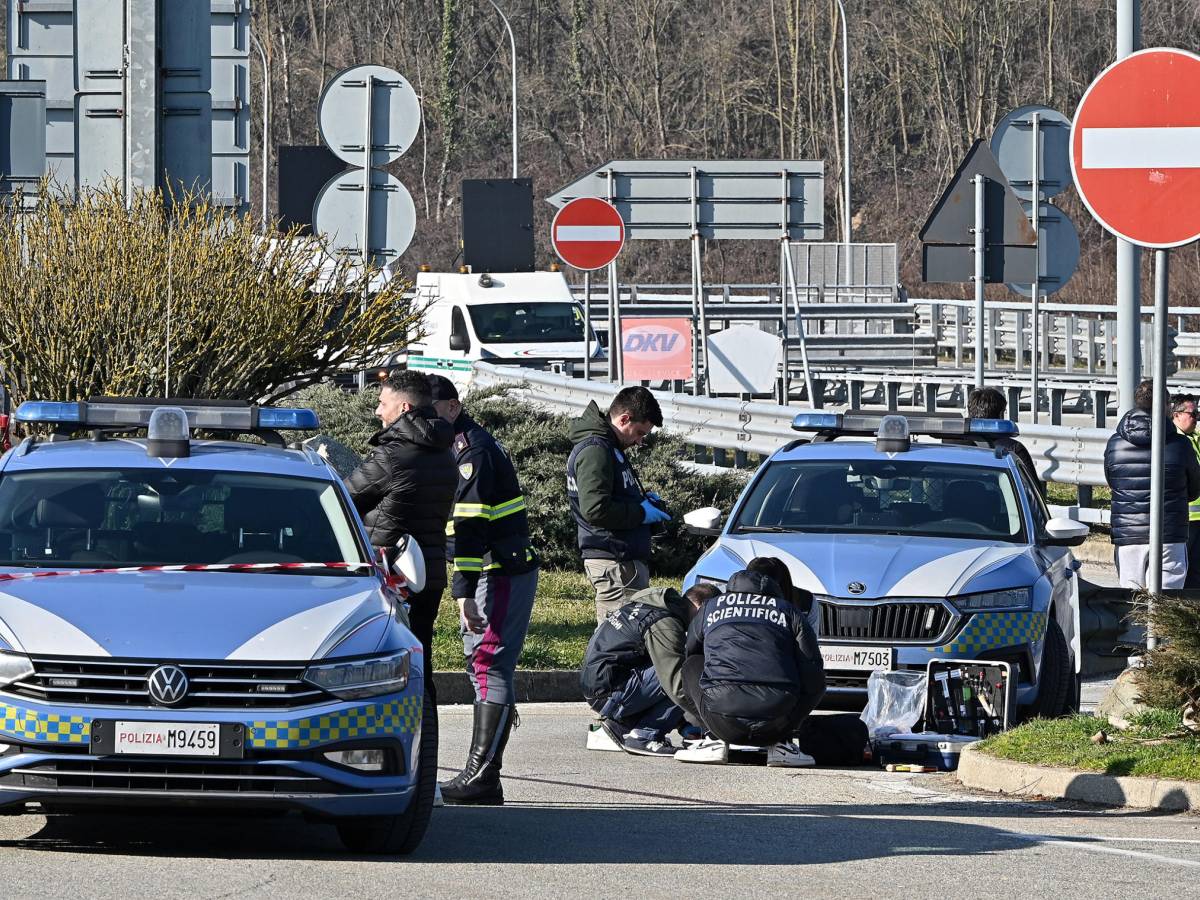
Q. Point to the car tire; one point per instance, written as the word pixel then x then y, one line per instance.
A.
pixel 402 834
pixel 1056 687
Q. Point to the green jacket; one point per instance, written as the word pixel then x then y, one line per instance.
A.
pixel 1194 506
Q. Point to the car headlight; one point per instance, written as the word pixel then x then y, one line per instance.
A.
pixel 14 667
pixel 1013 598
pixel 359 678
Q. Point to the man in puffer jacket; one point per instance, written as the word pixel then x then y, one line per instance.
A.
pixel 753 671
pixel 1127 466
pixel 405 486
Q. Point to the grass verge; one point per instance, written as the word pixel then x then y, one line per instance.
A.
pixel 1145 749
pixel 564 616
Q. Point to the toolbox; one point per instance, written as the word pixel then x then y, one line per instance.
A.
pixel 974 698
pixel 928 749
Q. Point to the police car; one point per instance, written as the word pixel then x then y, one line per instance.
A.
pixel 915 550
pixel 189 622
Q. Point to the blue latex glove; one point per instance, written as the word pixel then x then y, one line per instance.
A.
pixel 653 514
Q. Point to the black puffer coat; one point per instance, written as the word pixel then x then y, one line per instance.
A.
pixel 1127 471
pixel 406 486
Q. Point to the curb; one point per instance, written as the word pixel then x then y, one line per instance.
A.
pixel 531 685
pixel 988 773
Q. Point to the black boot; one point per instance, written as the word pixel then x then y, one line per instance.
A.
pixel 479 782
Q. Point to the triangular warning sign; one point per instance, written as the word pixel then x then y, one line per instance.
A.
pixel 953 217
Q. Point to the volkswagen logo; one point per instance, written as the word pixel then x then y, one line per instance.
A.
pixel 168 685
pixel 856 587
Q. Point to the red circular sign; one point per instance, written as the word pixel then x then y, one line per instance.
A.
pixel 1135 148
pixel 587 233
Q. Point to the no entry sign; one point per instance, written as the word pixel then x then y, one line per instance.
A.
pixel 1135 148
pixel 587 233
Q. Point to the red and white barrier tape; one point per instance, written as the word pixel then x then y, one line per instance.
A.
pixel 392 580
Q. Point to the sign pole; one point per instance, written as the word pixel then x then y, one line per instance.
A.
pixel 1129 255
pixel 697 296
pixel 1158 435
pixel 980 273
pixel 1035 333
pixel 366 226
pixel 587 325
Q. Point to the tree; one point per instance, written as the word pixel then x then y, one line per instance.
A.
pixel 171 295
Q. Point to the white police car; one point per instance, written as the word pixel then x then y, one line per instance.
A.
pixel 190 622
pixel 914 550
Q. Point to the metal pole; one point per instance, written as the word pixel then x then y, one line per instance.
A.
pixel 980 274
pixel 513 42
pixel 368 148
pixel 1158 435
pixel 587 326
pixel 845 140
pixel 808 381
pixel 1129 257
pixel 1033 337
pixel 697 299
pixel 266 139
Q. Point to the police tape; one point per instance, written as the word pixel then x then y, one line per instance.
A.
pixel 390 579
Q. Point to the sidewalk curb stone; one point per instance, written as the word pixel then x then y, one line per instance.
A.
pixel 531 685
pixel 988 773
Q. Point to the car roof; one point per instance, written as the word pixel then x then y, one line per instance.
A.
pixel 927 451
pixel 130 453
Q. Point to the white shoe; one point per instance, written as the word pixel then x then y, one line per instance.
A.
pixel 789 756
pixel 709 750
pixel 437 796
pixel 600 738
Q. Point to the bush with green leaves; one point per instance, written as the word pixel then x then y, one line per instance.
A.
pixel 539 446
pixel 1171 676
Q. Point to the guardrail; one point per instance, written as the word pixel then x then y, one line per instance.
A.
pixel 1062 454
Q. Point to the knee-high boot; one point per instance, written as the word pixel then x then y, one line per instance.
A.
pixel 479 782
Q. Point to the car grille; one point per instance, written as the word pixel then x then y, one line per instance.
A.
pixel 211 685
pixel 908 621
pixel 207 777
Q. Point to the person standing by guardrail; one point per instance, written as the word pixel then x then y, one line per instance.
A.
pixel 612 513
pixel 1127 467
pixel 989 403
pixel 1183 414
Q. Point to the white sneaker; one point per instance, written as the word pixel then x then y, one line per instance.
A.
pixel 437 796
pixel 789 756
pixel 600 738
pixel 709 750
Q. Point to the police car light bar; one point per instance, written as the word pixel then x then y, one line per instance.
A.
pixel 867 424
pixel 136 414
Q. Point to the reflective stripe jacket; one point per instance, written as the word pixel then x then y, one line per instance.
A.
pixel 489 529
pixel 1194 506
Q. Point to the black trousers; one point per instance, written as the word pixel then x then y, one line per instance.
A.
pixel 422 612
pixel 756 732
pixel 1193 556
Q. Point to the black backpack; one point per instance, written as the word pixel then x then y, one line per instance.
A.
pixel 838 740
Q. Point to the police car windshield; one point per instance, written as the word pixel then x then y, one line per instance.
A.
pixel 527 323
pixel 126 517
pixel 901 497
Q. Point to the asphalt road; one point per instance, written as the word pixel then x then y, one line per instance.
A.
pixel 585 823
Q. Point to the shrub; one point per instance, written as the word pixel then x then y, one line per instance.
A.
pixel 91 290
pixel 538 443
pixel 1171 677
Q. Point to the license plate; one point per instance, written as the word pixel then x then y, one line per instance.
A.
pixel 862 659
pixel 166 739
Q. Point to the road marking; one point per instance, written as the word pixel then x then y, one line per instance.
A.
pixel 1082 844
pixel 588 233
pixel 1141 148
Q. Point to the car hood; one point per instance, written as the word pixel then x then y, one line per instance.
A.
pixel 892 565
pixel 194 615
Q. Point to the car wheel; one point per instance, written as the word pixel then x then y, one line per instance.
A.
pixel 1056 687
pixel 402 834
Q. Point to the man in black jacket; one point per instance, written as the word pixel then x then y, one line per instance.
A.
pixel 612 514
pixel 753 670
pixel 495 580
pixel 406 486
pixel 1127 466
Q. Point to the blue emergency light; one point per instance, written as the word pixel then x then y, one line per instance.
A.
pixel 207 415
pixel 817 422
pixel 992 426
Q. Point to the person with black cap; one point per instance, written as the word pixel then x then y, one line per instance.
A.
pixel 495 575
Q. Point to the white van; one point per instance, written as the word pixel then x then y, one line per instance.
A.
pixel 508 318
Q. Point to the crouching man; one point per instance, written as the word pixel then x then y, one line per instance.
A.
pixel 753 671
pixel 633 670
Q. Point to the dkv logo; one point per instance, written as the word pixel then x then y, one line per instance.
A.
pixel 655 349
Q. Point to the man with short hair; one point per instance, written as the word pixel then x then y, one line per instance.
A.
pixel 1127 468
pixel 989 403
pixel 1183 414
pixel 632 672
pixel 406 485
pixel 495 581
pixel 613 515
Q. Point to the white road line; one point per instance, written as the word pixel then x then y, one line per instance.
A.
pixel 588 233
pixel 1115 851
pixel 1141 148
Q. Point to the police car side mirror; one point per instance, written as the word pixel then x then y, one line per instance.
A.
pixel 1064 532
pixel 410 563
pixel 460 342
pixel 706 521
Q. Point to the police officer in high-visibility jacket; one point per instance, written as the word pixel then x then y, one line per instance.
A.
pixel 494 580
pixel 1183 414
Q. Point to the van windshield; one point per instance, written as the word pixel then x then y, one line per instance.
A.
pixel 527 323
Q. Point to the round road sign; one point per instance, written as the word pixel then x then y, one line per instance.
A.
pixel 587 233
pixel 338 215
pixel 1135 148
pixel 1012 143
pixel 395 114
